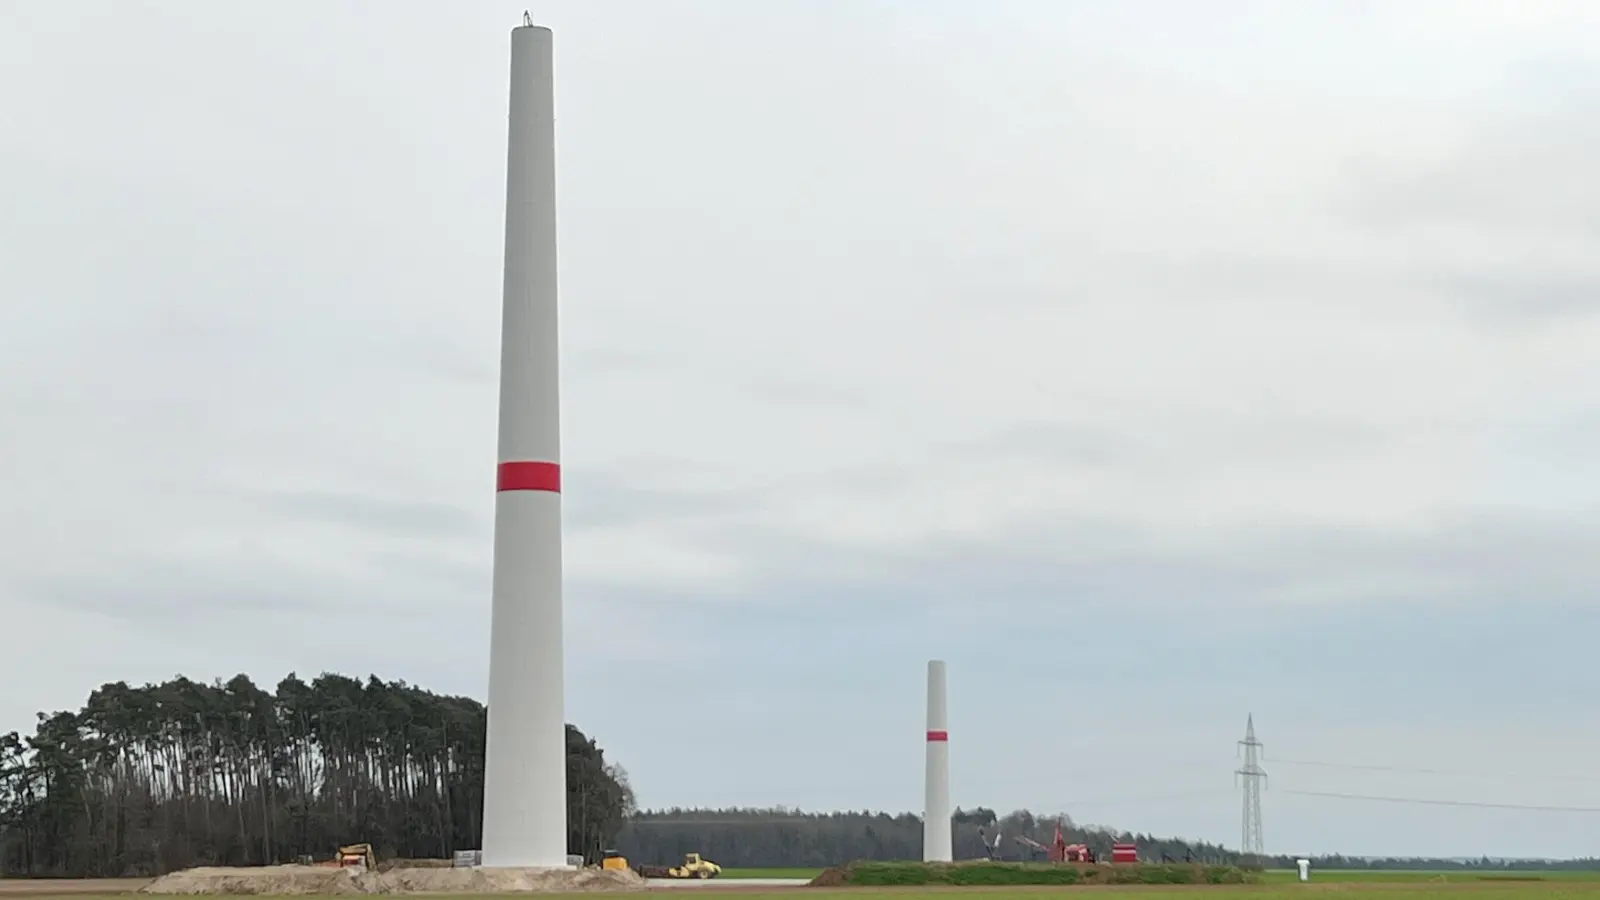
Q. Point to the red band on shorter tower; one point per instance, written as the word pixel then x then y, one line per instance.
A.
pixel 938 736
pixel 529 476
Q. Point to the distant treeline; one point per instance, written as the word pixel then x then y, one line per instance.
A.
pixel 777 838
pixel 772 838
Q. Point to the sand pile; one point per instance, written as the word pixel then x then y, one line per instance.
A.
pixel 504 881
pixel 389 865
pixel 303 880
pixel 262 880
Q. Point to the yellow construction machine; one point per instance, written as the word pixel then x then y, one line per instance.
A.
pixel 613 860
pixel 358 855
pixel 693 867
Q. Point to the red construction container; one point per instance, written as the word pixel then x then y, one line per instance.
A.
pixel 1124 853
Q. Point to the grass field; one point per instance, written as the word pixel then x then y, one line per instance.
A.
pixel 1458 876
pixel 1289 876
pixel 771 873
pixel 1278 886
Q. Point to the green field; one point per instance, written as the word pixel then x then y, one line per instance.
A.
pixel 1560 889
pixel 1323 876
pixel 1335 885
pixel 771 873
pixel 1455 876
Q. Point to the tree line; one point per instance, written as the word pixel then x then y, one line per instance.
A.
pixel 763 838
pixel 782 838
pixel 146 780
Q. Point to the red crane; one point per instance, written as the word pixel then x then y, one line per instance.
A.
pixel 1060 850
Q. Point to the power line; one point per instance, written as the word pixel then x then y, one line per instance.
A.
pixel 1423 802
pixel 1418 770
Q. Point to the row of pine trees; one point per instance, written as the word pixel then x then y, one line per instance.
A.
pixel 155 778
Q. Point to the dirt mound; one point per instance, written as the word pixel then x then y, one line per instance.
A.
pixel 390 865
pixel 303 880
pixel 263 880
pixel 838 876
pixel 505 881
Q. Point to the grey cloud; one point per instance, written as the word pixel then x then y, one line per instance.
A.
pixel 437 574
pixel 1207 276
pixel 154 594
pixel 1523 179
pixel 164 591
pixel 1529 172
pixel 383 515
pixel 1508 294
pixel 1578 435
pixel 1534 297
pixel 1478 557
pixel 589 501
pixel 1055 441
pixel 1488 556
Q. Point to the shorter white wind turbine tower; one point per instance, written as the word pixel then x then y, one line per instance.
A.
pixel 936 837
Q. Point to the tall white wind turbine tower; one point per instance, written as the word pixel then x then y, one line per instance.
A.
pixel 525 765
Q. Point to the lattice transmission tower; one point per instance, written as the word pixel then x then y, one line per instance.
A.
pixel 1252 777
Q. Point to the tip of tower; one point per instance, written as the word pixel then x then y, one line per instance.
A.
pixel 1250 726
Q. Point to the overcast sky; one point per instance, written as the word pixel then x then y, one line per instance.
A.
pixel 1154 363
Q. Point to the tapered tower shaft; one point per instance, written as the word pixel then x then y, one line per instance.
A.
pixel 937 845
pixel 525 766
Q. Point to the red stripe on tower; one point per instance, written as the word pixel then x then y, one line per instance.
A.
pixel 529 476
pixel 938 736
